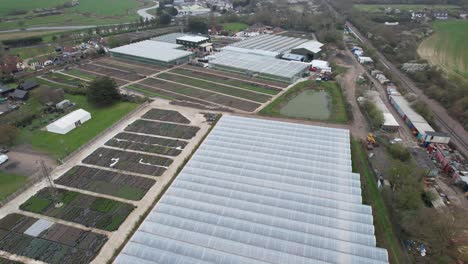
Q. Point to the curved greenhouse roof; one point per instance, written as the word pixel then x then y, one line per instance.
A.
pixel 261 191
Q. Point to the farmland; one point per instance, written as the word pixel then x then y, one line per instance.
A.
pixel 156 145
pixel 79 208
pixel 381 8
pixel 111 72
pixel 237 76
pixel 56 243
pixel 166 115
pixel 257 97
pixel 104 190
pixel 106 182
pixel 162 129
pixel 128 161
pixel 216 98
pixel 447 47
pixel 87 12
pixel 228 81
pixel 187 85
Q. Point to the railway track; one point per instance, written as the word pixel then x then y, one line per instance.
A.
pixel 459 137
pixel 461 142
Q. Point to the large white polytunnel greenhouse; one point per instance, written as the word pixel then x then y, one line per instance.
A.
pixel 261 191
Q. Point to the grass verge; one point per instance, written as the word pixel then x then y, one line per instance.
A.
pixel 385 233
pixel 10 183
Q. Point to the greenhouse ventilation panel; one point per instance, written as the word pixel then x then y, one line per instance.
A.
pixel 261 191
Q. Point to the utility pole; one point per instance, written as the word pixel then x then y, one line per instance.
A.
pixel 50 182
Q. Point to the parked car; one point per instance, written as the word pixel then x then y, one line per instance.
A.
pixel 3 159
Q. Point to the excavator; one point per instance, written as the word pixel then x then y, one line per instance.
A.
pixel 371 142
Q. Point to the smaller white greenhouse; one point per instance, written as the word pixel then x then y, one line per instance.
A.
pixel 69 122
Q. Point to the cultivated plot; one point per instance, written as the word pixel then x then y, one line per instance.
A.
pixel 139 65
pixel 237 76
pixel 79 208
pixel 47 241
pixel 204 95
pixel 113 73
pixel 162 129
pixel 67 80
pixel 128 161
pixel 215 87
pixel 106 182
pixel 150 144
pixel 152 91
pixel 257 87
pixel 166 115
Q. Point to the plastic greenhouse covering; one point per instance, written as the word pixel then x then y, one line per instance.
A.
pixel 261 191
pixel 259 64
pixel 273 43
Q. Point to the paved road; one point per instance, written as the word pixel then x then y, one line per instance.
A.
pixel 144 11
pixel 459 137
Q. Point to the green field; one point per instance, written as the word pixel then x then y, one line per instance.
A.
pixel 234 27
pixel 338 109
pixel 448 47
pixel 88 12
pixel 30 52
pixel 9 183
pixel 61 145
pixel 380 8
pixel 385 234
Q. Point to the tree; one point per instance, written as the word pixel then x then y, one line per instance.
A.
pixel 49 95
pixel 165 19
pixel 113 42
pixel 398 151
pixel 376 116
pixel 102 91
pixel 9 134
pixel 197 25
pixel 173 11
pixel 406 184
pixel 436 229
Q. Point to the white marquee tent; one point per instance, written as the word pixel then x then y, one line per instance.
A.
pixel 69 122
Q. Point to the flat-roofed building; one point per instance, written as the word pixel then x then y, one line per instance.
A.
pixel 192 41
pixel 153 52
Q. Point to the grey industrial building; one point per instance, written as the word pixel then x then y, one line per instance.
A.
pixel 153 52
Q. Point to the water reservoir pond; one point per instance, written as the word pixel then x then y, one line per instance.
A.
pixel 310 104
